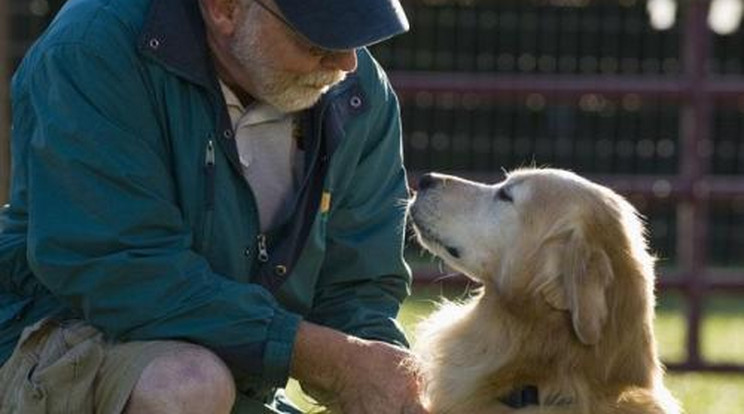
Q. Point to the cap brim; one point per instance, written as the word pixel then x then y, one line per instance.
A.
pixel 345 24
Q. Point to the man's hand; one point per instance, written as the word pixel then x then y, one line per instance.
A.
pixel 355 376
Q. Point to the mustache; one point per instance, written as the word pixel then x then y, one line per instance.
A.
pixel 321 79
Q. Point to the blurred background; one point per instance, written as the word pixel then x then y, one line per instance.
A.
pixel 645 96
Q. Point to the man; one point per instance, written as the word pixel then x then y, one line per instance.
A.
pixel 206 199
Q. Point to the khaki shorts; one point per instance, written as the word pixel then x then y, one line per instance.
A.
pixel 68 367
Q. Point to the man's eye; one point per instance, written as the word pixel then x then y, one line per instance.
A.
pixel 503 195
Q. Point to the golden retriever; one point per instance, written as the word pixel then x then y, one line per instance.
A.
pixel 563 320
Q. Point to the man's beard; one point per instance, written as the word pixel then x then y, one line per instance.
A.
pixel 288 92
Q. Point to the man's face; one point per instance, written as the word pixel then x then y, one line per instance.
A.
pixel 283 69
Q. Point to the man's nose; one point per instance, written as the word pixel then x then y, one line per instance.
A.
pixel 345 61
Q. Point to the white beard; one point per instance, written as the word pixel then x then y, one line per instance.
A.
pixel 286 91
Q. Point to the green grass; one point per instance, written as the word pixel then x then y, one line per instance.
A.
pixel 700 393
pixel 722 341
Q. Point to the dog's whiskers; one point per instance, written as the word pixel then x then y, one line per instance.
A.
pixel 447 276
pixel 403 202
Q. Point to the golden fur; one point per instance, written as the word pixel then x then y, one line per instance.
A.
pixel 566 303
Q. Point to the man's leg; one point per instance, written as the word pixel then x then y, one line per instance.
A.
pixel 190 380
pixel 68 367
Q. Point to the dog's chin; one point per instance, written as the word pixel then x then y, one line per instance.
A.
pixel 451 255
pixel 436 245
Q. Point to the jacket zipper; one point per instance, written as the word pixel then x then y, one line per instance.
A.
pixel 262 245
pixel 209 161
pixel 209 169
pixel 263 252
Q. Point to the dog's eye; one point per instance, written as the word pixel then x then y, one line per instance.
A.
pixel 503 195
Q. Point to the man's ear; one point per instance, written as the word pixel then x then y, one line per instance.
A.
pixel 221 15
pixel 575 278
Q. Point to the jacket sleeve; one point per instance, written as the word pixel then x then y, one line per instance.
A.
pixel 364 279
pixel 106 235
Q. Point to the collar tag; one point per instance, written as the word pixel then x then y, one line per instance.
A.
pixel 522 397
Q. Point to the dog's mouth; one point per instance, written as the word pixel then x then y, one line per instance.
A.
pixel 432 242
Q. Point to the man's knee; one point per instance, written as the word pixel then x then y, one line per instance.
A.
pixel 191 380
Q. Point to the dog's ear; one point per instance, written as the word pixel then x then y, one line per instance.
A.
pixel 575 278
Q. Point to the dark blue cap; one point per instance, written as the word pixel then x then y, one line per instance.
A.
pixel 345 24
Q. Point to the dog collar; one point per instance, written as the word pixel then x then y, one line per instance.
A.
pixel 522 397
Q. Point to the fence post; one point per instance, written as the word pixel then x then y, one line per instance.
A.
pixel 4 100
pixel 695 129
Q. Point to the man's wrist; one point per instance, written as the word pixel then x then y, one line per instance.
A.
pixel 320 356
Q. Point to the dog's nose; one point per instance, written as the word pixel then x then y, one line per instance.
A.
pixel 426 181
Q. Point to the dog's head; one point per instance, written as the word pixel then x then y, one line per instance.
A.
pixel 542 237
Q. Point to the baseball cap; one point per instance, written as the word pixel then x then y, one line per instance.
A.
pixel 345 24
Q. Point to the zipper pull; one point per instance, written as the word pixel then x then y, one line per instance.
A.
pixel 263 253
pixel 209 175
pixel 209 157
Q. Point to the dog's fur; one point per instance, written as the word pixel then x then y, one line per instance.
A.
pixel 566 303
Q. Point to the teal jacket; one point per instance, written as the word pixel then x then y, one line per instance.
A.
pixel 128 207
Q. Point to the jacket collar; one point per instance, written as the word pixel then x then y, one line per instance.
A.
pixel 174 35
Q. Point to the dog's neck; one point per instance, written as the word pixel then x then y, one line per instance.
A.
pixel 461 376
pixel 543 362
pixel 530 395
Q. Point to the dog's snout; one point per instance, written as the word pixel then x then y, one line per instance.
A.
pixel 426 181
